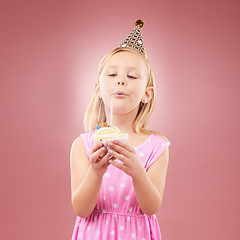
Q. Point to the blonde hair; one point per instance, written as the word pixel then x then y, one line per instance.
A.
pixel 95 113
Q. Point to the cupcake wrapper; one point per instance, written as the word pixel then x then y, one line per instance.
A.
pixel 124 138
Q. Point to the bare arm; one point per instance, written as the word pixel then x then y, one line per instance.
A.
pixel 149 186
pixel 86 176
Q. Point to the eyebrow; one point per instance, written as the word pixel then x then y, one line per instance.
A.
pixel 130 68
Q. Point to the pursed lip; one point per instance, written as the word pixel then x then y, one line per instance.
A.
pixel 120 93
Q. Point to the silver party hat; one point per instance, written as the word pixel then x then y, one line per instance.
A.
pixel 134 39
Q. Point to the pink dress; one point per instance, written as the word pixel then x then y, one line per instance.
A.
pixel 117 215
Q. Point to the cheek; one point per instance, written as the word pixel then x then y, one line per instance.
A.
pixel 105 89
pixel 104 85
pixel 138 91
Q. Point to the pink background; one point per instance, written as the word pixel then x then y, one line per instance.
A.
pixel 49 55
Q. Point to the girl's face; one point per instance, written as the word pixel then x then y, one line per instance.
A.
pixel 124 78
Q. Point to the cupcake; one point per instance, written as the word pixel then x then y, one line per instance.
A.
pixel 106 133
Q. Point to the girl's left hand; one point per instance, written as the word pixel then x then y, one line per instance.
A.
pixel 131 163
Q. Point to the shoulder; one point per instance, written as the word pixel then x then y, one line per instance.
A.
pixel 78 154
pixel 161 148
pixel 156 135
pixel 160 140
pixel 83 140
pixel 77 141
pixel 160 152
pixel 77 145
pixel 83 143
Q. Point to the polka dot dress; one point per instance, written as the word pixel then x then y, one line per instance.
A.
pixel 117 215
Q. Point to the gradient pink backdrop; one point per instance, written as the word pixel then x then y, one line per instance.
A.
pixel 49 55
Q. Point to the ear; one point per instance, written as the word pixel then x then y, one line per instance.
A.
pixel 97 90
pixel 148 95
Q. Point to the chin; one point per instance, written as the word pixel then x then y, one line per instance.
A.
pixel 124 110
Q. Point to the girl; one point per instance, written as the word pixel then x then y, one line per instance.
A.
pixel 116 192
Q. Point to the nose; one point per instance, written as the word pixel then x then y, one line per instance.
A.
pixel 121 83
pixel 121 80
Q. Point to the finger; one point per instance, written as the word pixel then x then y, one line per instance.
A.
pixel 118 156
pixel 96 147
pixel 104 152
pixel 124 145
pixel 94 157
pixel 112 158
pixel 105 160
pixel 106 165
pixel 118 165
pixel 119 149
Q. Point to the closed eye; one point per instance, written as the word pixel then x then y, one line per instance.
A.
pixel 130 76
pixel 112 75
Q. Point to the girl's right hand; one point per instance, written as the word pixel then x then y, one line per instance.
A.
pixel 99 159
